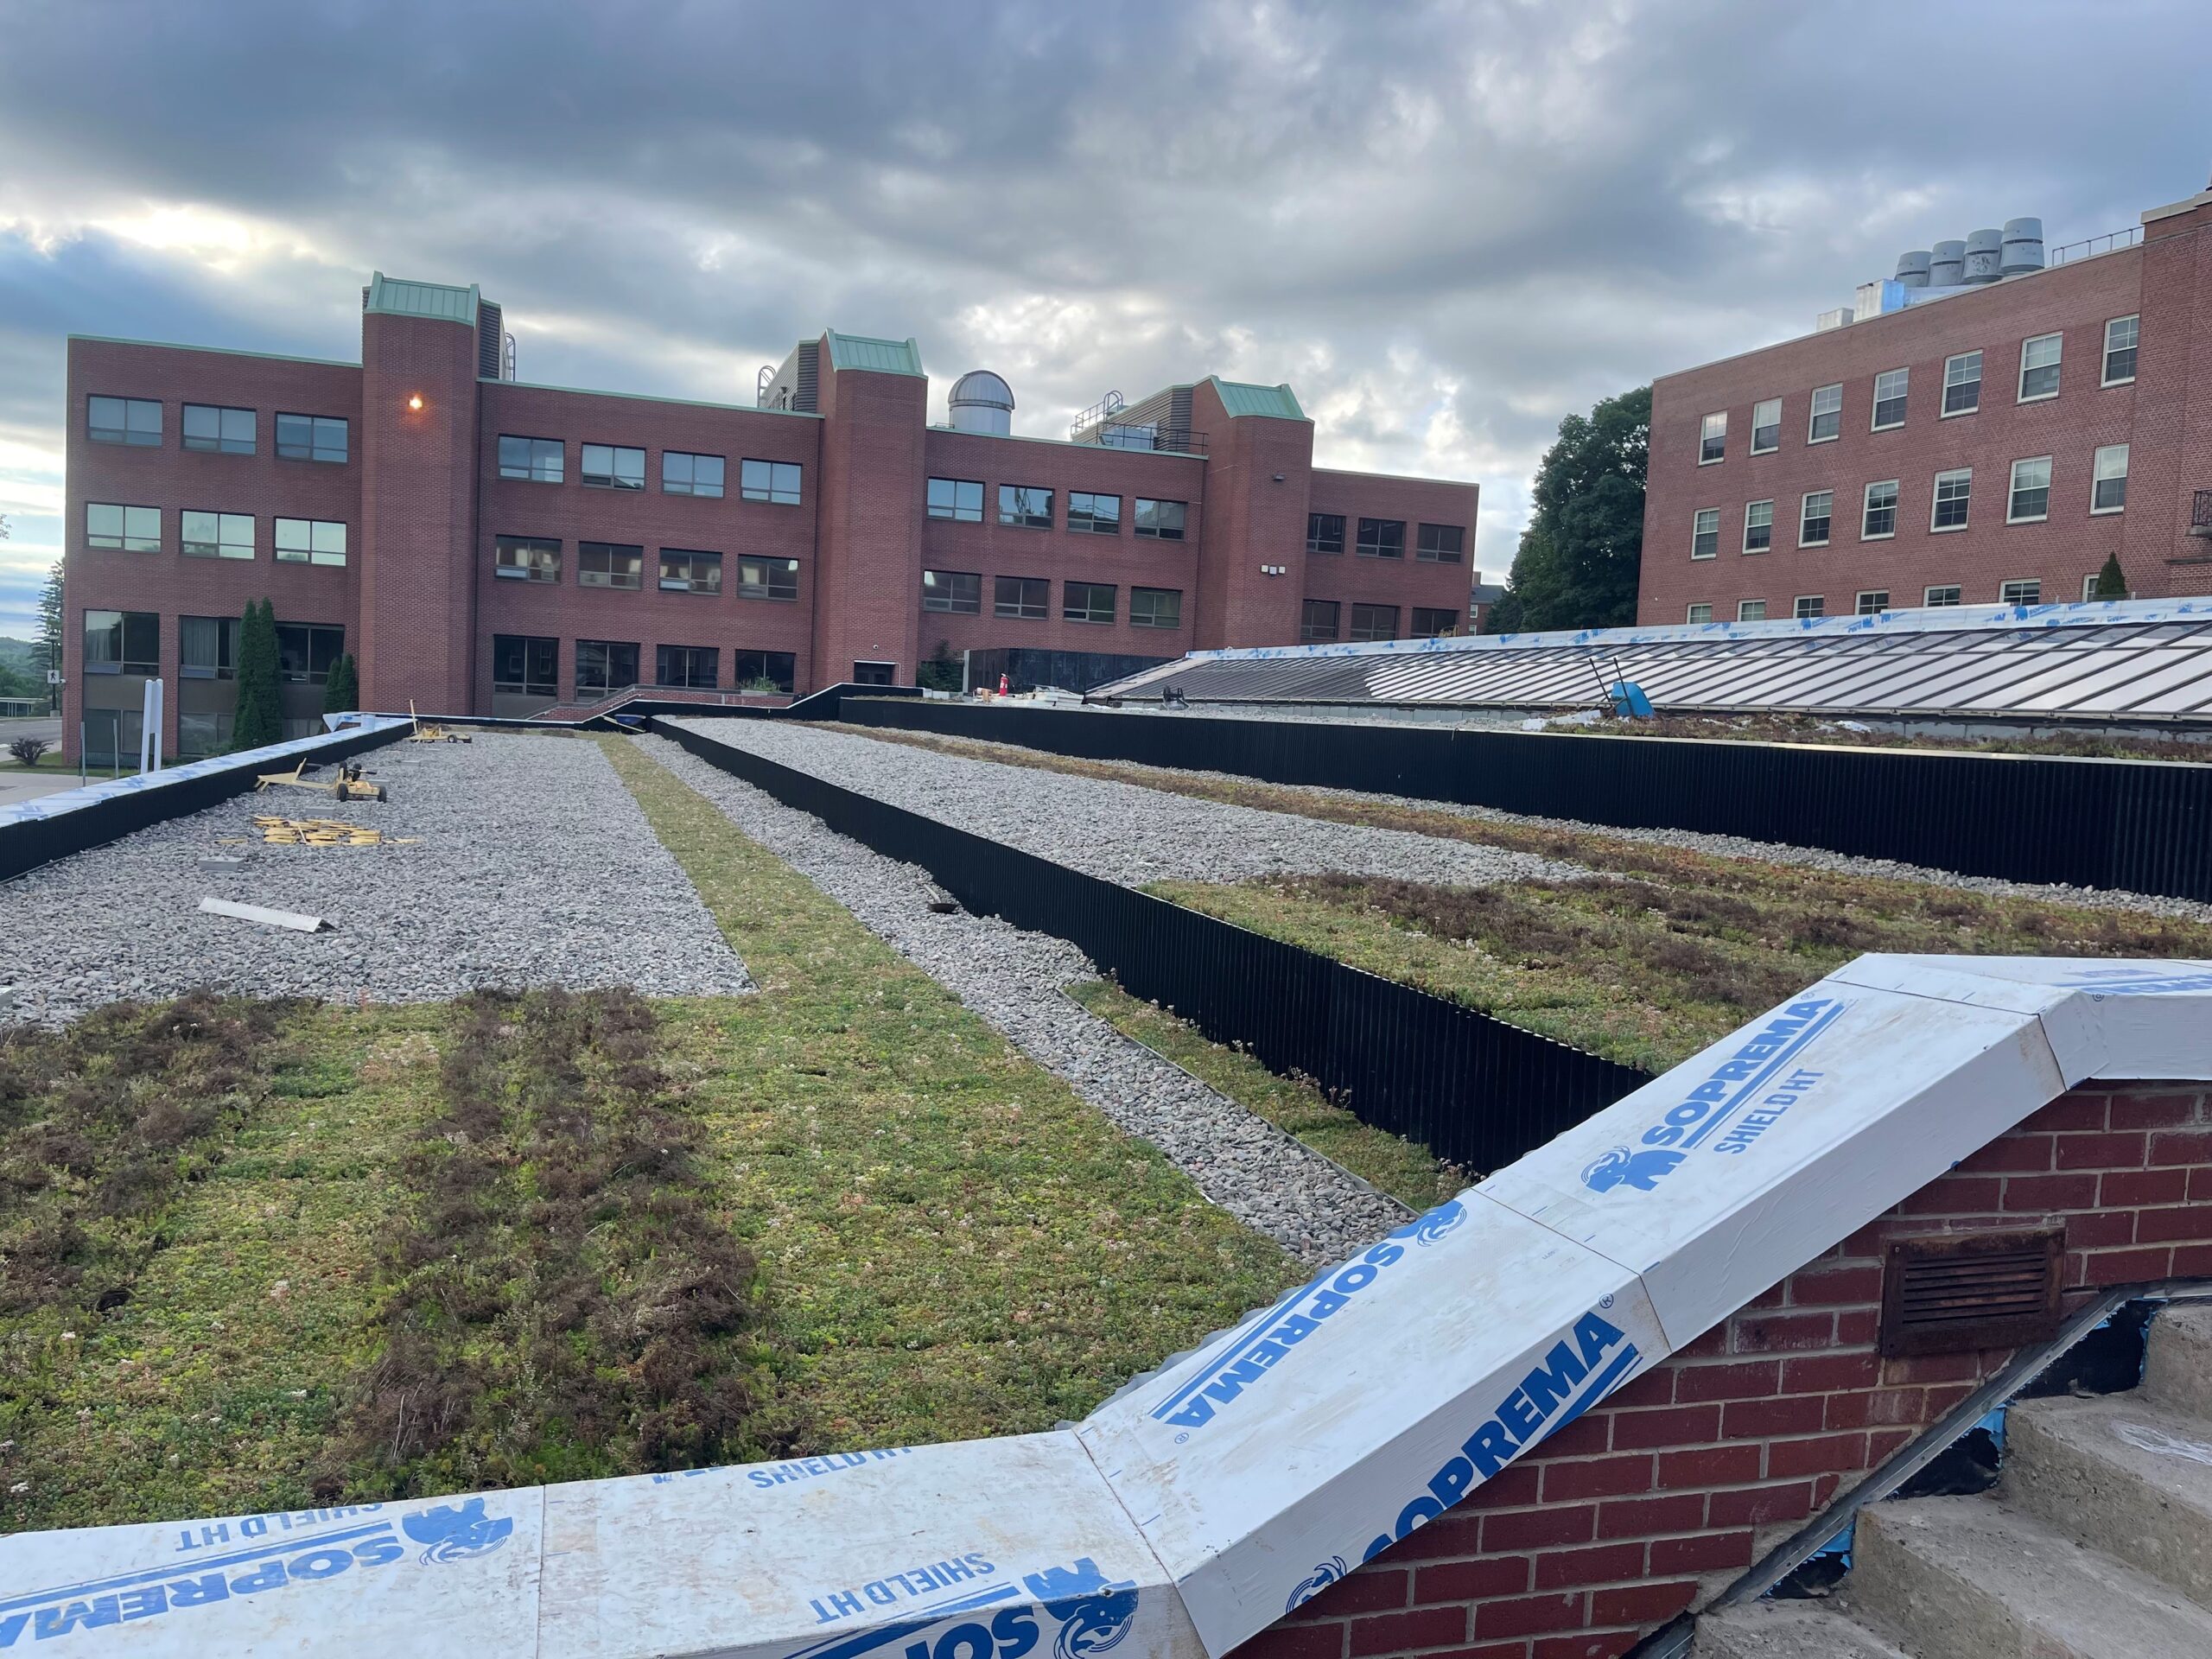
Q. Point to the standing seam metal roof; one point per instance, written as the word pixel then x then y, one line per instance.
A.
pixel 878 356
pixel 391 298
pixel 1240 397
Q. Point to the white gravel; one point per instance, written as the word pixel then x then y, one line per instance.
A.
pixel 1120 832
pixel 535 866
pixel 1272 1183
pixel 1719 846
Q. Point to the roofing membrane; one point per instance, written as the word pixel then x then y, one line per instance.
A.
pixel 2116 659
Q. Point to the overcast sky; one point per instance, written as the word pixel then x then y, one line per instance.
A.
pixel 1445 225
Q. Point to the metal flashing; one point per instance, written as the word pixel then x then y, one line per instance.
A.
pixel 874 356
pixel 390 296
pixel 219 351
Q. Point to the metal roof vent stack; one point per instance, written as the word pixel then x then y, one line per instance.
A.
pixel 1985 255
pixel 2023 251
pixel 1912 268
pixel 1948 269
pixel 981 402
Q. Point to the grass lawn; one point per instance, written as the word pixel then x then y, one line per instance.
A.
pixel 300 1253
pixel 1655 953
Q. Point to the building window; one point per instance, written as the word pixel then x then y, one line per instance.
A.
pixel 1324 533
pixel 207 647
pixel 122 642
pixel 1713 439
pixel 1087 601
pixel 124 420
pixel 201 737
pixel 605 665
pixel 2039 366
pixel 957 498
pixel 1874 601
pixel 960 592
pixel 614 466
pixel 1705 533
pixel 310 541
pixel 132 530
pixel 1954 495
pixel 1880 518
pixel 1889 398
pixel 1808 606
pixel 1317 618
pixel 1750 610
pixel 696 668
pixel 218 430
pixel 322 437
pixel 1962 384
pixel 1826 419
pixel 764 670
pixel 1025 506
pixel 1029 598
pixel 2121 335
pixel 685 572
pixel 684 473
pixel 1441 544
pixel 2020 593
pixel 534 460
pixel 1161 520
pixel 1435 623
pixel 1381 538
pixel 760 578
pixel 1697 613
pixel 780 482
pixel 2030 492
pixel 216 535
pixel 1758 526
pixel 2108 489
pixel 1766 427
pixel 307 651
pixel 1155 607
pixel 1100 515
pixel 523 665
pixel 1938 599
pixel 1374 621
pixel 527 558
pixel 610 564
pixel 1815 519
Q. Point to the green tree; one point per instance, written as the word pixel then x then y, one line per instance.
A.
pixel 1577 563
pixel 942 672
pixel 260 717
pixel 342 689
pixel 2112 582
pixel 47 653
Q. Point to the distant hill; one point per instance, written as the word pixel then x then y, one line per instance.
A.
pixel 17 677
pixel 15 653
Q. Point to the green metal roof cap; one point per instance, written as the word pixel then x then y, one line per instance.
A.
pixel 436 301
pixel 1239 398
pixel 880 356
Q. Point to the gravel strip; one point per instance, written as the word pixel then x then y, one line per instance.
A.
pixel 535 867
pixel 1274 1184
pixel 1120 832
pixel 1769 852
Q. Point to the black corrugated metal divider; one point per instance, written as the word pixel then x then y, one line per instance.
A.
pixel 34 841
pixel 2146 825
pixel 1469 1087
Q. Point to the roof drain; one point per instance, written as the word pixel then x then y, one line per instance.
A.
pixel 2110 1360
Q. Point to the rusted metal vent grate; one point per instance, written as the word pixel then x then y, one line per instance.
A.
pixel 1959 1291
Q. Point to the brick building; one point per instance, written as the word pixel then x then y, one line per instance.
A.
pixel 1993 445
pixel 483 545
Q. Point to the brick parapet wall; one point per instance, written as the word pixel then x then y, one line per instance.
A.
pixel 1657 1499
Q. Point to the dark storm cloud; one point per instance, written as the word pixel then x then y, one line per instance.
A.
pixel 1446 225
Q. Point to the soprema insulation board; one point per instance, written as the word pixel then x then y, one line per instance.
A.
pixel 1196 1507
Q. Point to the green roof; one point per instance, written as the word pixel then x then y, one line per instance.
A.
pixel 880 356
pixel 1239 398
pixel 393 298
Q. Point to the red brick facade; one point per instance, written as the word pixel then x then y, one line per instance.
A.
pixel 1662 1495
pixel 424 504
pixel 2163 413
